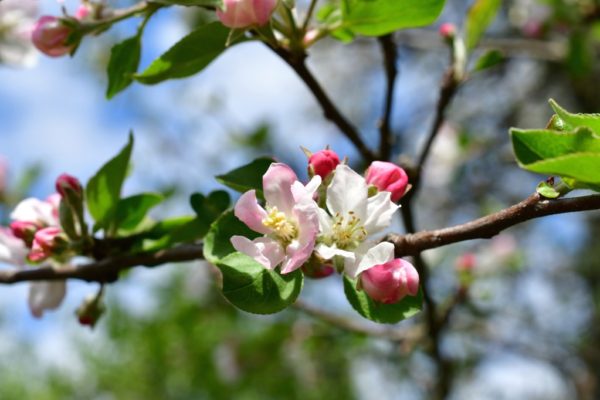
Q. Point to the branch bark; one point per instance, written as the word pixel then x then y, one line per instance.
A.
pixel 390 54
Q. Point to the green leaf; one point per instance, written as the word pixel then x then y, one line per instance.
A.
pixel 488 60
pixel 217 243
pixel 380 17
pixel 247 177
pixel 547 190
pixel 253 288
pixel 103 191
pixel 210 208
pixel 571 154
pixel 480 16
pixel 188 56
pixel 572 121
pixel 199 3
pixel 123 63
pixel 188 230
pixel 380 312
pixel 131 211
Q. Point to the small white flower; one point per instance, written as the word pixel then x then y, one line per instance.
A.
pixel 352 219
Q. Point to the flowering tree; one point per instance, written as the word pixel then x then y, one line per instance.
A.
pixel 283 230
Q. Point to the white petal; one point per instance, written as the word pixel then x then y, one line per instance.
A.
pixel 380 209
pixel 328 252
pixel 379 254
pixel 46 295
pixel 34 210
pixel 12 249
pixel 348 191
pixel 265 251
pixel 325 222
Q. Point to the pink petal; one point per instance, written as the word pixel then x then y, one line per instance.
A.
pixel 264 251
pixel 277 186
pixel 251 213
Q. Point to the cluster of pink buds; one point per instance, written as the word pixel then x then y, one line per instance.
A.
pixel 240 14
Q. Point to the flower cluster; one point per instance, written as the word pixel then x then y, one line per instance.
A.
pixel 332 221
pixel 35 236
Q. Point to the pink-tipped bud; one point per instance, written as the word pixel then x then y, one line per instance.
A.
pixel 83 11
pixel 447 30
pixel 90 311
pixel 317 271
pixel 323 163
pixel 50 36
pixel 46 242
pixel 466 262
pixel 388 177
pixel 24 230
pixel 66 183
pixel 390 282
pixel 246 13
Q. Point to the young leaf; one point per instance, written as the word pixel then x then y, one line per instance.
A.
pixel 479 17
pixel 131 211
pixel 217 243
pixel 123 63
pixel 547 190
pixel 488 60
pixel 188 56
pixel 186 231
pixel 103 191
pixel 247 177
pixel 572 121
pixel 251 287
pixel 380 312
pixel 572 154
pixel 210 208
pixel 380 17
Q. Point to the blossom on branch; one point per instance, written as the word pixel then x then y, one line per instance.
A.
pixel 50 36
pixel 239 14
pixel 289 222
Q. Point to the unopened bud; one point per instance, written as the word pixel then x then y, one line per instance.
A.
pixel 390 282
pixel 46 243
pixel 389 177
pixel 67 184
pixel 246 13
pixel 90 311
pixel 317 270
pixel 447 31
pixel 323 163
pixel 50 36
pixel 24 230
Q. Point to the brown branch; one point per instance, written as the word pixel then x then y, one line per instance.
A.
pixel 390 54
pixel 486 227
pixel 413 333
pixel 106 270
pixel 298 64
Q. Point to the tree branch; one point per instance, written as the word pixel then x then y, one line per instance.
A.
pixel 411 333
pixel 298 64
pixel 106 270
pixel 390 54
pixel 486 227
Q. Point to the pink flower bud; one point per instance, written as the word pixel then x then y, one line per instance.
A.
pixel 388 177
pixel 67 183
pixel 83 11
pixel 246 13
pixel 50 35
pixel 390 282
pixel 90 311
pixel 46 242
pixel 447 30
pixel 466 262
pixel 323 163
pixel 24 230
pixel 317 271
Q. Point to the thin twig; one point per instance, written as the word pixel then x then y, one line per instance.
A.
pixel 411 333
pixel 390 54
pixel 297 62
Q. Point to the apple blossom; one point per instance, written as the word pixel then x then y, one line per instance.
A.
pixel 354 216
pixel 46 243
pixel 12 249
pixel 289 222
pixel 16 18
pixel 50 36
pixel 46 295
pixel 323 163
pixel 42 213
pixel 246 13
pixel 390 282
pixel 388 177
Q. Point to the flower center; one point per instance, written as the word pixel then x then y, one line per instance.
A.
pixel 284 229
pixel 348 232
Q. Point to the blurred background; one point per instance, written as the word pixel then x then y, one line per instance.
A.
pixel 530 325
